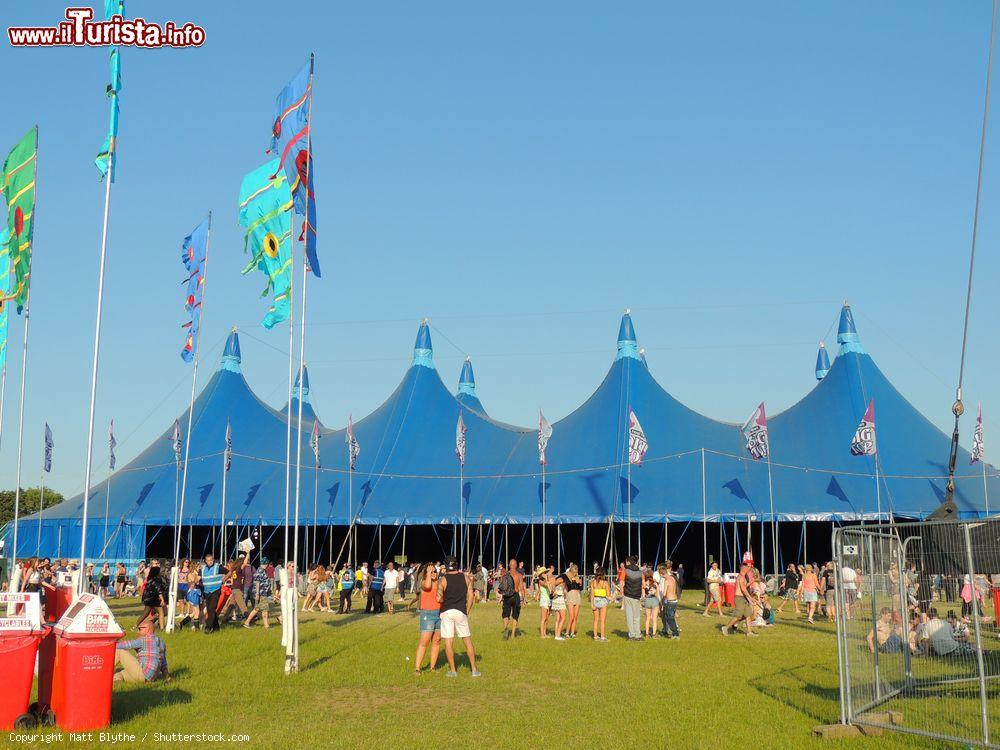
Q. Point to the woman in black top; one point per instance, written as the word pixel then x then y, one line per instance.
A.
pixel 574 585
pixel 789 588
pixel 153 597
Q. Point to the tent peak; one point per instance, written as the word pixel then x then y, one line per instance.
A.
pixel 467 380
pixel 423 350
pixel 303 387
pixel 627 346
pixel 231 354
pixel 822 362
pixel 847 332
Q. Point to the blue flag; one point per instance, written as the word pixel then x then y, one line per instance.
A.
pixel 111 445
pixel 49 444
pixel 229 445
pixel 105 160
pixel 291 142
pixel 194 254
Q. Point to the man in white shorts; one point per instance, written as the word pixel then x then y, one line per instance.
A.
pixel 455 595
pixel 392 577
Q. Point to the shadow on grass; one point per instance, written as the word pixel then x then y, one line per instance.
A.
pixel 135 702
pixel 789 687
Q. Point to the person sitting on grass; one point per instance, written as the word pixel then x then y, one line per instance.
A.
pixel 887 633
pixel 937 637
pixel 151 662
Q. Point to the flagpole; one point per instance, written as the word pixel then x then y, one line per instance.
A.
pixel 107 510
pixel 986 491
pixel 704 516
pixel 628 516
pixel 774 528
pixel 41 505
pixel 460 543
pixel 543 513
pixel 350 511
pixel 222 524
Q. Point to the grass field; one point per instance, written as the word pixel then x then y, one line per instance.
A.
pixel 356 688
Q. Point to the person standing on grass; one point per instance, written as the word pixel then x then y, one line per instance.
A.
pixel 456 599
pixel 743 608
pixel 828 591
pixel 262 596
pixel 347 580
pixel 512 593
pixel 714 584
pixel 631 592
pixel 376 582
pixel 391 584
pixel 211 581
pixel 153 597
pixel 809 588
pixel 544 601
pixel 558 595
pixel 600 597
pixel 430 616
pixel 362 578
pixel 650 602
pixel 789 588
pixel 574 585
pixel 669 592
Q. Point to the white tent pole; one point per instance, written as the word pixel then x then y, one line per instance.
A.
pixel 41 505
pixel 543 516
pixel 704 516
pixel 774 526
pixel 107 510
pixel 350 514
pixel 20 438
pixel 222 524
pixel 628 517
pixel 986 489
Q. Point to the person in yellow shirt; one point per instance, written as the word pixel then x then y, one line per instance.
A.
pixel 600 595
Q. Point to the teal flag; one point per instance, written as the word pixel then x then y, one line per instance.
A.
pixel 105 160
pixel 4 293
pixel 265 203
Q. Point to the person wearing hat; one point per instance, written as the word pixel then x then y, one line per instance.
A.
pixel 151 662
pixel 456 599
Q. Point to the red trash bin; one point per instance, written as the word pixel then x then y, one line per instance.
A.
pixel 996 603
pixel 57 601
pixel 46 663
pixel 84 666
pixel 17 665
pixel 729 593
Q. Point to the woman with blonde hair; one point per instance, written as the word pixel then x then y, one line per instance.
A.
pixel 651 601
pixel 714 589
pixel 544 600
pixel 574 585
pixel 600 596
pixel 809 591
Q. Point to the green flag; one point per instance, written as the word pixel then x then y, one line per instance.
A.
pixel 265 202
pixel 19 192
pixel 106 159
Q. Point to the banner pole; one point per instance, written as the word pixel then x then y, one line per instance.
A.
pixel 543 515
pixel 704 517
pixel 986 489
pixel 41 505
pixel 222 523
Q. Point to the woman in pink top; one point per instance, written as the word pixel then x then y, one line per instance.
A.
pixel 809 591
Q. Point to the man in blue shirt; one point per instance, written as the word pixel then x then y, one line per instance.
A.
pixel 376 581
pixel 346 588
pixel 211 581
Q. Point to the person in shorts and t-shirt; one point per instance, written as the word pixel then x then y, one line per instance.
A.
pixel 391 585
pixel 455 596
pixel 512 592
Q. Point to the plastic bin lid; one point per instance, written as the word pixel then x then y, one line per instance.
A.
pixel 20 612
pixel 88 615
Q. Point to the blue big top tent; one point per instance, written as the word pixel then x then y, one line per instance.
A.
pixel 407 474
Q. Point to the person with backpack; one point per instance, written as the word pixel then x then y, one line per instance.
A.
pixel 154 596
pixel 512 593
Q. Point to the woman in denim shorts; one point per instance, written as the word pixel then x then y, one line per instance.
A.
pixel 430 616
pixel 600 593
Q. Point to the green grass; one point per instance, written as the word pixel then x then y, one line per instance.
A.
pixel 356 688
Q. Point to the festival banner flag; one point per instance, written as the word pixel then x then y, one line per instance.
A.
pixel 755 433
pixel 4 291
pixel 228 453
pixel 19 192
pixel 314 441
pixel 353 447
pixel 49 445
pixel 112 443
pixel 265 202
pixel 637 443
pixel 544 433
pixel 460 440
pixel 864 443
pixel 291 142
pixel 106 158
pixel 194 255
pixel 978 449
pixel 175 438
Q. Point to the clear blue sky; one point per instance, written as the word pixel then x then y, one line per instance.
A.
pixel 519 172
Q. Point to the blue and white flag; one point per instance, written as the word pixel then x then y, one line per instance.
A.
pixel 755 433
pixel 460 443
pixel 637 443
pixel 176 440
pixel 314 442
pixel 544 433
pixel 228 455
pixel 353 447
pixel 48 448
pixel 112 443
pixel 194 255
pixel 978 449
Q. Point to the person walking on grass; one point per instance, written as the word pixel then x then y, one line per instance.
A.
pixel 714 580
pixel 574 585
pixel 789 588
pixel 669 594
pixel 347 581
pixel 512 593
pixel 391 585
pixel 456 599
pixel 809 591
pixel 376 584
pixel 211 582
pixel 600 597
pixel 631 592
pixel 743 608
pixel 263 594
pixel 430 616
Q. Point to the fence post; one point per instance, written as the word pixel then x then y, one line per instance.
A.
pixel 871 568
pixel 841 648
pixel 979 640
pixel 904 606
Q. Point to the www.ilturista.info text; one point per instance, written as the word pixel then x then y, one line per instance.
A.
pixel 80 30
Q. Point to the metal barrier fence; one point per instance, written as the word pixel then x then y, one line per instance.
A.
pixel 917 607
